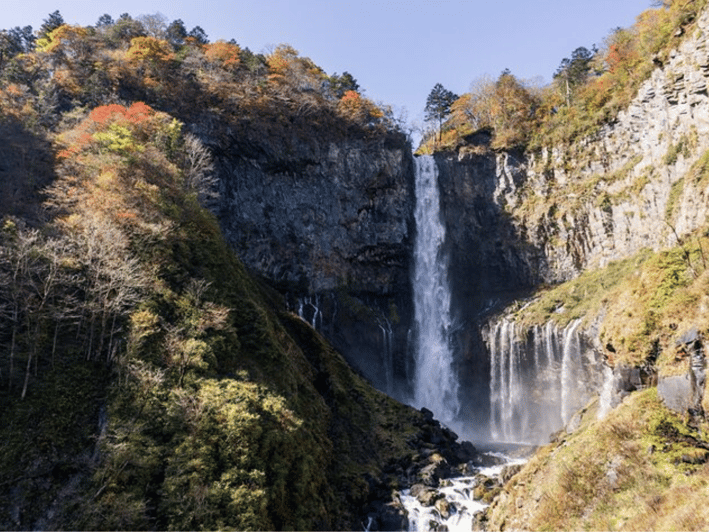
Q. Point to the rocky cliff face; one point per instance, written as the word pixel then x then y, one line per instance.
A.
pixel 639 183
pixel 490 263
pixel 516 221
pixel 330 224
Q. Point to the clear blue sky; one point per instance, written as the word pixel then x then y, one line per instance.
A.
pixel 396 49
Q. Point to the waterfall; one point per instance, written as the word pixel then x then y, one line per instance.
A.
pixel 569 369
pixel 387 342
pixel 435 384
pixel 309 311
pixel 507 389
pixel 606 399
pixel 538 379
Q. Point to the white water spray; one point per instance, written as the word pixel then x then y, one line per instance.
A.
pixel 538 380
pixel 435 385
pixel 387 342
pixel 309 310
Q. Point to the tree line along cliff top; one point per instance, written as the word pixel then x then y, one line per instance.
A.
pixel 63 67
pixel 588 89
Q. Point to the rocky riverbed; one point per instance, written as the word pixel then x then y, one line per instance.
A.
pixel 444 485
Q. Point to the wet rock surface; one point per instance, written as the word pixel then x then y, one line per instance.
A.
pixel 438 464
pixel 435 457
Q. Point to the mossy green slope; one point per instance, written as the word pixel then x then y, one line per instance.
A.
pixel 182 395
pixel 641 468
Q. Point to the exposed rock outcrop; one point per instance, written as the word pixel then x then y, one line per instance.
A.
pixel 330 225
pixel 516 221
pixel 685 393
pixel 335 214
pixel 638 183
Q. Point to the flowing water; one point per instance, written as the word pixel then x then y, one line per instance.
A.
pixel 458 493
pixel 538 380
pixel 462 507
pixel 435 384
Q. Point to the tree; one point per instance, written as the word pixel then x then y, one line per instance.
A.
pixel 150 50
pixel 126 29
pixel 105 21
pixel 155 24
pixel 573 72
pixel 51 23
pixel 224 54
pixel 341 84
pixel 438 105
pixel 622 55
pixel 513 109
pixel 14 42
pixel 176 33
pixel 199 35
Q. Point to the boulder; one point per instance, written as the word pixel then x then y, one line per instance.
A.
pixel 675 392
pixel 389 516
pixel 444 508
pixel 428 496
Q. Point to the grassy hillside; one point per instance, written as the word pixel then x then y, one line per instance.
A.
pixel 641 468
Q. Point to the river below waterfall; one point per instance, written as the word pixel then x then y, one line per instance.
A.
pixel 454 505
pixel 460 505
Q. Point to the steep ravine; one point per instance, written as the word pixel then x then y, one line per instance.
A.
pixel 330 225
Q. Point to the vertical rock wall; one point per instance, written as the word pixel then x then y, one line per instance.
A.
pixel 330 225
pixel 515 221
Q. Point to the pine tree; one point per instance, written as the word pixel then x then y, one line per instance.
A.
pixel 438 105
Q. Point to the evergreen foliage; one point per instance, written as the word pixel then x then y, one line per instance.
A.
pixel 438 105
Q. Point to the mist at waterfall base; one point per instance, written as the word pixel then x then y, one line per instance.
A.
pixel 539 379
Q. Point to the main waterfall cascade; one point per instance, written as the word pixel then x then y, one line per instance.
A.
pixel 435 384
pixel 539 379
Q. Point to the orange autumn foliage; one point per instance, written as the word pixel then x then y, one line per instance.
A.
pixel 350 97
pixel 99 119
pixel 225 54
pixel 149 49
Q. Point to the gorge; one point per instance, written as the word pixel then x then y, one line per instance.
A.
pixel 246 303
pixel 532 332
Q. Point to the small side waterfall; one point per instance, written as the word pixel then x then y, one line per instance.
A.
pixel 388 362
pixel 538 378
pixel 309 310
pixel 435 384
pixel 569 369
